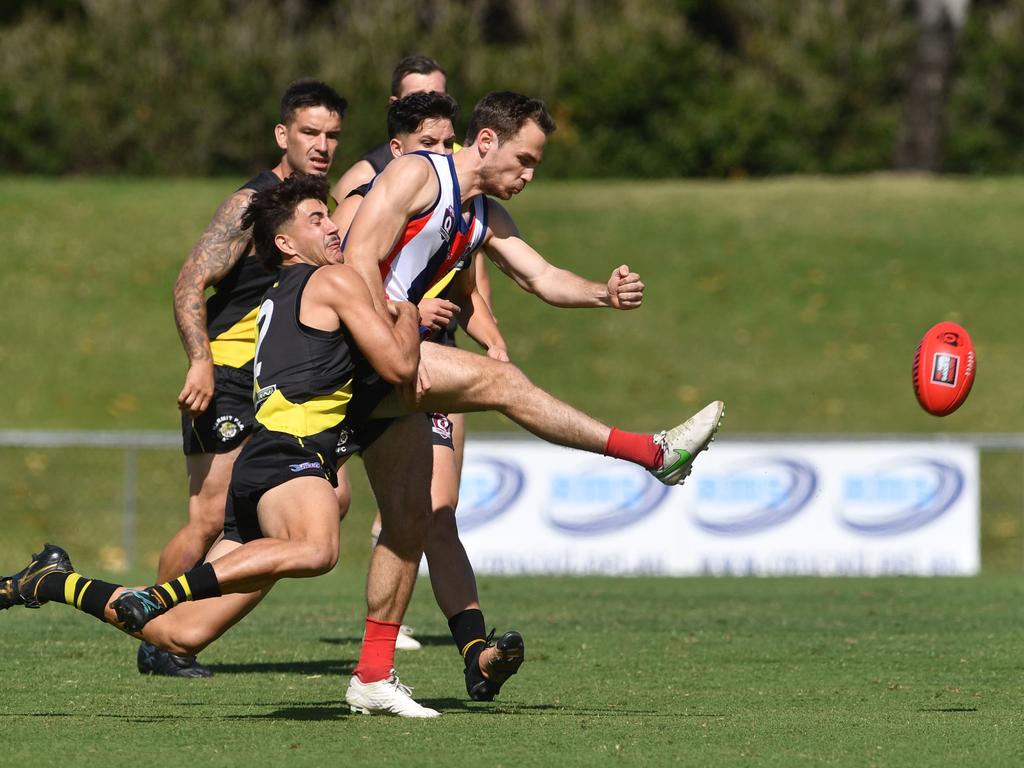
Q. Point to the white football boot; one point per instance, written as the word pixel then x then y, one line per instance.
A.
pixel 405 640
pixel 680 445
pixel 385 697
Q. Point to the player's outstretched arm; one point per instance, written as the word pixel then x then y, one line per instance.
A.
pixel 407 187
pixel 391 345
pixel 559 287
pixel 218 250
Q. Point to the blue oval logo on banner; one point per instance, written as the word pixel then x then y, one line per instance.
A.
pixel 752 496
pixel 489 487
pixel 601 497
pixel 900 497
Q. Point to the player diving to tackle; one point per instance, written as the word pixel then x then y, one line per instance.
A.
pixel 218 335
pixel 289 547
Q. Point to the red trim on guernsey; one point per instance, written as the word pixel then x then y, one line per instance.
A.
pixel 459 243
pixel 412 228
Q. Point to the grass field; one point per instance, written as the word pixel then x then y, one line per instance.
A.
pixel 787 672
pixel 798 301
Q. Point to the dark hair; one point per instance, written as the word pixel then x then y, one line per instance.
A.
pixel 407 115
pixel 310 93
pixel 505 113
pixel 270 209
pixel 413 65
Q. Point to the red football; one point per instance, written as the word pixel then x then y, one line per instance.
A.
pixel 944 367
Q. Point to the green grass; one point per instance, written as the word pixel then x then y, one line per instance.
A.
pixel 788 672
pixel 798 301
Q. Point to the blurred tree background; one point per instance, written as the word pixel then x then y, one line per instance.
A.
pixel 640 88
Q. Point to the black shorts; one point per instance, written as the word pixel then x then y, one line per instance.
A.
pixel 268 460
pixel 370 389
pixel 227 421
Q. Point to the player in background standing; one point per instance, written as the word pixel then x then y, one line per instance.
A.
pixel 218 336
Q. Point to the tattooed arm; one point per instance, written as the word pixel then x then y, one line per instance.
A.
pixel 218 250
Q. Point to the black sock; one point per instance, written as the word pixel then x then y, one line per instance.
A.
pixel 88 595
pixel 470 635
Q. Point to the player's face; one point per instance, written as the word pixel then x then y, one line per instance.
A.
pixel 416 83
pixel 311 235
pixel 310 140
pixel 435 134
pixel 508 167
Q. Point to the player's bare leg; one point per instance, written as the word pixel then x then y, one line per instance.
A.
pixel 343 492
pixel 185 629
pixel 209 475
pixel 461 382
pixel 398 465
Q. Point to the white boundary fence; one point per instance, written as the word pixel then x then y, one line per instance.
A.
pixel 131 443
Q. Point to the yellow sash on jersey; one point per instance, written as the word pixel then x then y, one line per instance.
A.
pixel 237 345
pixel 304 419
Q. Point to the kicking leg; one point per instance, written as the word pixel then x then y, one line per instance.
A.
pixel 462 381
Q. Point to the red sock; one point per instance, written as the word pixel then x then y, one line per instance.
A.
pixel 378 654
pixel 640 449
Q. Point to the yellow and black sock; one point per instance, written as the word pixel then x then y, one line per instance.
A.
pixel 198 584
pixel 468 630
pixel 88 595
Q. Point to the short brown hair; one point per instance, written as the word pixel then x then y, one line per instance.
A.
pixel 413 65
pixel 505 113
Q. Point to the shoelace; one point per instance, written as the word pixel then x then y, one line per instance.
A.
pixel 661 440
pixel 399 686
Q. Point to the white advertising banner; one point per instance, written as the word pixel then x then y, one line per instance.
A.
pixel 856 508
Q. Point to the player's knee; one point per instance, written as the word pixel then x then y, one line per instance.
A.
pixel 184 640
pixel 319 558
pixel 405 536
pixel 206 518
pixel 344 501
pixel 443 527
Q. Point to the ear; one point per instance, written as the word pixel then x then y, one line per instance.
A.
pixel 486 140
pixel 396 147
pixel 281 135
pixel 284 244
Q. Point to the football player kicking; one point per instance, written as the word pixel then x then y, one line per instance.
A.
pixel 282 514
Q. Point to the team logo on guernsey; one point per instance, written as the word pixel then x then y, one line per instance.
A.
pixel 228 428
pixel 944 369
pixel 448 224
pixel 342 447
pixel 305 465
pixel 441 425
pixel 263 394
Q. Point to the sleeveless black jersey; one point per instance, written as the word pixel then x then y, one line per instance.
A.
pixel 379 156
pixel 231 310
pixel 302 375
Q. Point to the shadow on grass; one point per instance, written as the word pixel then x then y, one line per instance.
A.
pixel 948 709
pixel 462 706
pixel 323 711
pixel 425 640
pixel 322 667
